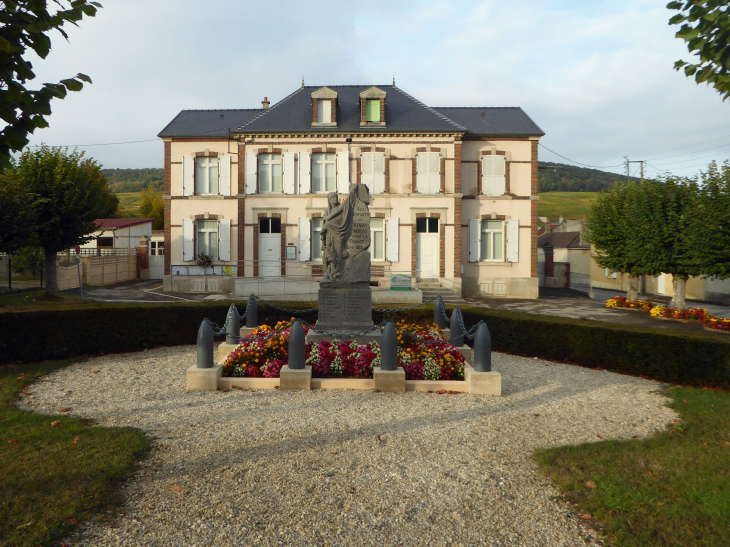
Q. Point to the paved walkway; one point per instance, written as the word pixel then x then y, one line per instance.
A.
pixel 134 291
pixel 576 305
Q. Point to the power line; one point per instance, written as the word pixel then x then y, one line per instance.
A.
pixel 579 163
pixel 690 153
pixel 687 146
pixel 87 145
pixel 688 159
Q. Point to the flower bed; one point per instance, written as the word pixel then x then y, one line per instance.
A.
pixel 716 324
pixel 622 302
pixel 422 353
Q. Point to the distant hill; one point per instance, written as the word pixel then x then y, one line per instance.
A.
pixel 569 178
pixel 134 180
pixel 564 178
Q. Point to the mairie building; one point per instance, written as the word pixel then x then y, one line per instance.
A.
pixel 453 192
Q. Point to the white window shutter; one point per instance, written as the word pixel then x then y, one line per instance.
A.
pixel 513 240
pixel 615 275
pixel 392 239
pixel 188 176
pixel 224 239
pixel 251 172
pixel 422 176
pixel 188 239
pixel 305 239
pixel 487 175
pixel 224 175
pixel 287 172
pixel 305 173
pixel 434 170
pixel 606 272
pixel 378 186
pixel 475 239
pixel 500 169
pixel 343 172
pixel 366 171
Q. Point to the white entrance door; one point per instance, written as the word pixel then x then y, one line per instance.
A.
pixel 157 259
pixel 269 247
pixel 427 247
pixel 661 284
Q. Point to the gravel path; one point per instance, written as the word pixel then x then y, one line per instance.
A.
pixel 347 468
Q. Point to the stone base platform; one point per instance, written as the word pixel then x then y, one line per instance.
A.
pixel 374 336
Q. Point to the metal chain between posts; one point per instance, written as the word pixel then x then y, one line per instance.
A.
pixel 393 310
pixel 288 310
pixel 467 334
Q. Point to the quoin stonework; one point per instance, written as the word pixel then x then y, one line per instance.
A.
pixel 453 190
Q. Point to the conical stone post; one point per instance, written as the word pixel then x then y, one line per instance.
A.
pixel 252 313
pixel 205 345
pixel 388 376
pixel 233 325
pixel 438 313
pixel 389 348
pixel 482 349
pixel 296 346
pixel 457 332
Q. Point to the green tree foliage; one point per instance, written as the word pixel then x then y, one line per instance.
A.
pixel 706 29
pixel 558 177
pixel 608 231
pixel 67 194
pixel 660 221
pixel 134 180
pixel 16 218
pixel 26 24
pixel 153 206
pixel 28 259
pixel 710 233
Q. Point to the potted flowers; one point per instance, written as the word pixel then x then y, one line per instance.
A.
pixel 205 261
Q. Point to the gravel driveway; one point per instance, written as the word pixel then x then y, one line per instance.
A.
pixel 348 468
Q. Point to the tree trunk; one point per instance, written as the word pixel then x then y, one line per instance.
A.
pixel 51 277
pixel 679 286
pixel 633 293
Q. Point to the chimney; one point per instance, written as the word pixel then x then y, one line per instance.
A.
pixel 265 103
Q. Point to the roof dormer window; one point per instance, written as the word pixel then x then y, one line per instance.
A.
pixel 372 107
pixel 324 108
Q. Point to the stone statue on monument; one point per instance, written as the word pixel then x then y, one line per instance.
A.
pixel 346 237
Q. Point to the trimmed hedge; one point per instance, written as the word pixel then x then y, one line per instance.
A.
pixel 39 335
pixel 671 356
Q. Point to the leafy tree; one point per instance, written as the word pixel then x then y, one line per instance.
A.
pixel 68 193
pixel 16 219
pixel 608 232
pixel 706 29
pixel 710 225
pixel 659 220
pixel 28 259
pixel 153 206
pixel 26 24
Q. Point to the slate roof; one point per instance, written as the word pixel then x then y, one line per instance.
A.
pixel 403 113
pixel 561 240
pixel 493 121
pixel 207 123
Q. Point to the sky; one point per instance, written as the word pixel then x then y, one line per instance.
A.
pixel 597 77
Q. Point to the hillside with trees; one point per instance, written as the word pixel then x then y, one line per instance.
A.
pixel 134 180
pixel 558 177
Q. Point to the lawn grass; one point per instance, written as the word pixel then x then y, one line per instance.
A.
pixel 36 300
pixel 670 489
pixel 572 205
pixel 129 203
pixel 50 481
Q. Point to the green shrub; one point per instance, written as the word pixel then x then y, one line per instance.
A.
pixel 691 358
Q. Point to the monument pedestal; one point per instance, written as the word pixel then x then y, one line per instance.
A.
pixel 345 308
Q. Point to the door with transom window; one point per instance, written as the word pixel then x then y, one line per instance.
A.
pixel 269 247
pixel 427 247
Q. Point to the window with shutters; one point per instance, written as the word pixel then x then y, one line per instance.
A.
pixel 206 175
pixel 316 238
pixel 323 173
pixel 492 241
pixel 377 239
pixel 494 180
pixel 428 172
pixel 270 173
pixel 372 110
pixel 372 165
pixel 207 238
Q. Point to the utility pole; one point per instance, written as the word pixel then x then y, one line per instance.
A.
pixel 641 164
